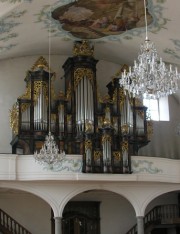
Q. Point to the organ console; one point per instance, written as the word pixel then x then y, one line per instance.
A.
pixel 105 132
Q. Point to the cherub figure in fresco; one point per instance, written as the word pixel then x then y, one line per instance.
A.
pixel 102 22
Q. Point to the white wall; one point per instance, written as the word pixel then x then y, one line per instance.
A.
pixel 117 216
pixel 165 141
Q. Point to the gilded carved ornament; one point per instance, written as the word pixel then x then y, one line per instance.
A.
pixel 14 112
pixel 97 155
pixel 88 145
pixel 27 94
pixel 41 63
pixel 106 138
pixel 125 128
pixel 80 73
pixel 68 93
pixel 125 146
pixel 117 155
pixel 14 118
pixel 88 127
pixel 83 48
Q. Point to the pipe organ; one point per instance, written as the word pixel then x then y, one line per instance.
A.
pixel 106 132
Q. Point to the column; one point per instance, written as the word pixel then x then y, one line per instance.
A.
pixel 58 226
pixel 140 225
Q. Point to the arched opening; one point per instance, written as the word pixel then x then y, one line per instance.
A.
pixel 98 211
pixel 26 209
pixel 163 214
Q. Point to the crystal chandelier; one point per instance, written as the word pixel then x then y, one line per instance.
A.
pixel 149 77
pixel 49 153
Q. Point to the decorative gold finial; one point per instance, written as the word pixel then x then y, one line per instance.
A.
pixel 83 48
pixel 40 63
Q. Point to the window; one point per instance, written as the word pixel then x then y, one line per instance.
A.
pixel 158 109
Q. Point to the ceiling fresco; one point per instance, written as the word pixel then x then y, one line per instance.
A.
pixel 102 21
pixel 96 19
pixel 7 24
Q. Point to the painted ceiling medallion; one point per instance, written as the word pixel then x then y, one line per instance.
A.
pixel 96 19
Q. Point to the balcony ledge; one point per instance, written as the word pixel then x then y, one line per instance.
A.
pixel 144 169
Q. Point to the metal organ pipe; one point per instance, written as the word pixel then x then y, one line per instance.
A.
pixel 85 98
pixel 106 151
pixel 61 118
pixel 26 119
pixel 88 157
pixel 139 124
pixel 40 112
pixel 84 104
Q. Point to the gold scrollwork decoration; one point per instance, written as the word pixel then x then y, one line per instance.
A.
pixel 106 138
pixel 125 128
pixel 117 155
pixel 80 73
pixel 40 63
pixel 125 146
pixel 14 118
pixel 37 87
pixel 88 145
pixel 68 93
pixel 140 113
pixel 89 127
pixel 25 106
pixel 83 48
pixel 122 98
pixel 97 155
pixel 27 94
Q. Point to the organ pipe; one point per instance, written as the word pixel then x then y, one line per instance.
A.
pixel 84 104
pixel 40 112
pixel 79 117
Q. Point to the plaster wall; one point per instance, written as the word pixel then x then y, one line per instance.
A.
pixel 30 211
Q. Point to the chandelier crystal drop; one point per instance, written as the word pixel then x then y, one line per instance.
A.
pixel 150 77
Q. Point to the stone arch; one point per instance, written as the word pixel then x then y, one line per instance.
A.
pixel 111 203
pixel 157 193
pixel 34 191
pixel 125 194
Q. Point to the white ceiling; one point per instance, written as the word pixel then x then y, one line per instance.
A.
pixel 25 25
